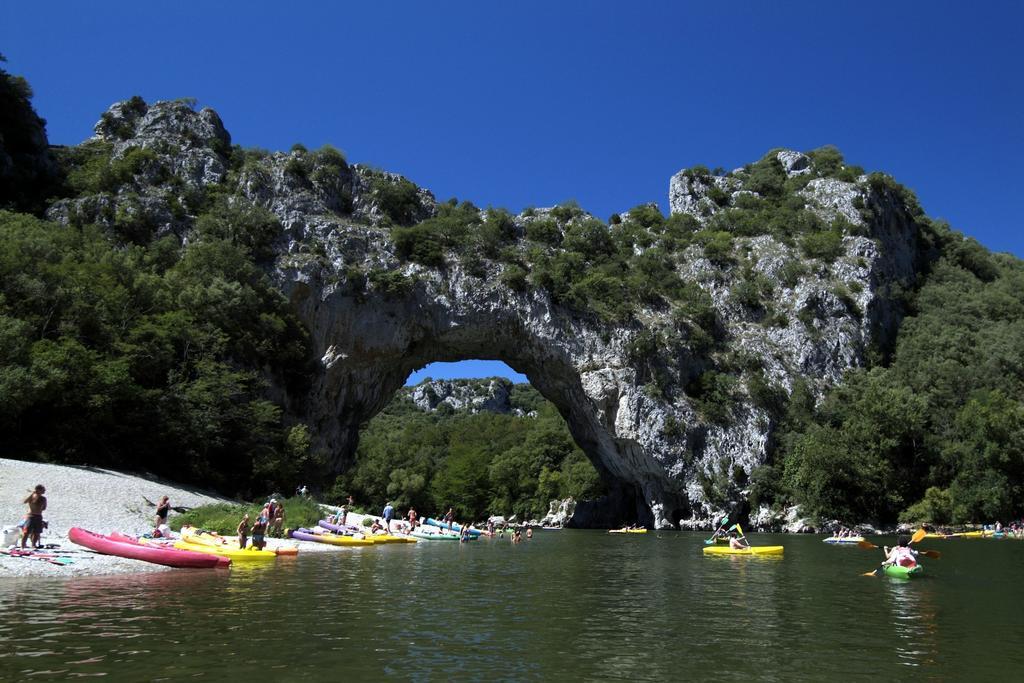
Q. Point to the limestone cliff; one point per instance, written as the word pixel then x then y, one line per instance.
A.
pixel 675 404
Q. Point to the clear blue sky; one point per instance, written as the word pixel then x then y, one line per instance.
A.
pixel 528 103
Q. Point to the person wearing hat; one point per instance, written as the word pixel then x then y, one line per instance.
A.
pixel 389 512
pixel 36 502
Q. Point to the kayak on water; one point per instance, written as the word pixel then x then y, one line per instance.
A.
pixel 898 572
pixel 454 527
pixel 434 537
pixel 845 540
pixel 752 550
pixel 169 557
pixel 627 531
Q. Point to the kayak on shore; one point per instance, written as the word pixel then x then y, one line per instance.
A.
pixel 329 538
pixel 211 539
pixel 168 557
pixel 752 550
pixel 250 554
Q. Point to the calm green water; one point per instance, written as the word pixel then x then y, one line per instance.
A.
pixel 569 605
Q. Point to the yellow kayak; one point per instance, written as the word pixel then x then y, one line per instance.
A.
pixel 191 535
pixel 627 531
pixel 391 538
pixel 973 534
pixel 236 554
pixel 331 539
pixel 753 550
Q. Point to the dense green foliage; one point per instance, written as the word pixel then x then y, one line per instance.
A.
pixel 145 357
pixel 480 464
pixel 937 434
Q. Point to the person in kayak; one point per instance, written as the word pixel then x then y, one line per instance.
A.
pixel 243 531
pixel 735 543
pixel 900 554
pixel 388 513
pixel 36 502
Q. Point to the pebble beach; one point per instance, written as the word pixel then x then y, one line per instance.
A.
pixel 96 499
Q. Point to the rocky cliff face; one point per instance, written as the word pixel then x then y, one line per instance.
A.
pixel 474 396
pixel 784 311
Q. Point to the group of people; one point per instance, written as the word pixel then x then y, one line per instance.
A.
pixel 269 521
pixel 844 532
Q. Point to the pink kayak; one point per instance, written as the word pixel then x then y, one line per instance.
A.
pixel 122 547
pixel 163 543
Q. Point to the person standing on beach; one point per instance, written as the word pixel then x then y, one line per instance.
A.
pixel 36 502
pixel 243 531
pixel 389 512
pixel 412 519
pixel 163 508
pixel 259 528
pixel 449 518
pixel 277 525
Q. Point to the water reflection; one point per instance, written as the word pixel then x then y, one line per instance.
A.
pixel 567 605
pixel 915 620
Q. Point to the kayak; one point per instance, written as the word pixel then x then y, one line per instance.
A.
pixel 627 531
pixel 454 527
pixel 845 540
pixel 250 554
pixel 434 537
pixel 753 550
pixel 169 557
pixel 898 572
pixel 330 539
pixel 974 534
pixel 208 538
pixel 166 544
pixel 391 538
pixel 340 528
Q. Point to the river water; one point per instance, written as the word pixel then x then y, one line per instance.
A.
pixel 567 605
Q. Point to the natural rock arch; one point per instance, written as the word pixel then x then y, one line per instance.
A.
pixel 371 345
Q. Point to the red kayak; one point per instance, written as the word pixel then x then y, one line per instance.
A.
pixel 169 557
pixel 161 543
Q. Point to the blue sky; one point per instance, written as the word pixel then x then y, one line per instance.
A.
pixel 528 103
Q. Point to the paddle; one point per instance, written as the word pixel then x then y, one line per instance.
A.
pixel 933 554
pixel 918 535
pixel 743 536
pixel 725 520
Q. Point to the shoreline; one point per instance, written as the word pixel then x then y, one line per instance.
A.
pixel 104 500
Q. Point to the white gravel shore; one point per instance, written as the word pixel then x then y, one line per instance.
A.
pixel 96 499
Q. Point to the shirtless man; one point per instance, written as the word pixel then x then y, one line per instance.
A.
pixel 36 502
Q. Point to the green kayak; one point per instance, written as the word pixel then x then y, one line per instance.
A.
pixel 899 572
